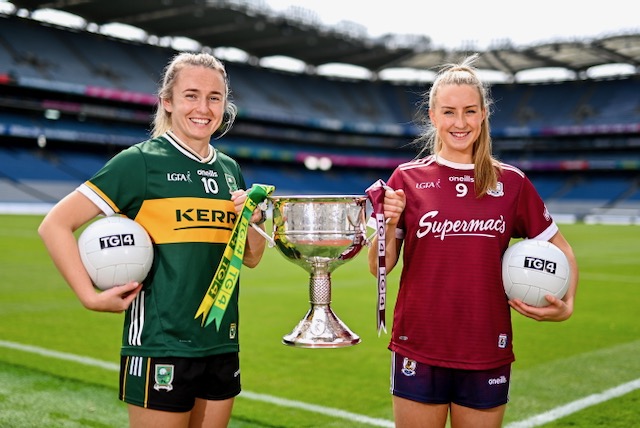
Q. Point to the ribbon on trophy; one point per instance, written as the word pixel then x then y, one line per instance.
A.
pixel 375 192
pixel 215 301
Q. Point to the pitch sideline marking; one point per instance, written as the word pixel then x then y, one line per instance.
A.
pixel 328 411
pixel 532 422
pixel 575 406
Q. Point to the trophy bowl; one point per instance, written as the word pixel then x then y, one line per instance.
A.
pixel 319 233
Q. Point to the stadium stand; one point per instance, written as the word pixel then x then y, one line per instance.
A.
pixel 577 140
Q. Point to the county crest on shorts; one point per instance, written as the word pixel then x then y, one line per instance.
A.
pixel 163 377
pixel 409 367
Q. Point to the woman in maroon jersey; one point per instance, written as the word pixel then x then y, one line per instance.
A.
pixel 454 209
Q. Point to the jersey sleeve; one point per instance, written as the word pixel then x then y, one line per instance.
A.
pixel 532 217
pixel 119 184
pixel 232 171
pixel 243 184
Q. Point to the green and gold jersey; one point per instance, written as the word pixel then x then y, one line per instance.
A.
pixel 184 203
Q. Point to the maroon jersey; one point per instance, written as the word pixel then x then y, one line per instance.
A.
pixel 451 309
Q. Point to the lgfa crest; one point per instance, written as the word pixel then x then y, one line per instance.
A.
pixel 163 377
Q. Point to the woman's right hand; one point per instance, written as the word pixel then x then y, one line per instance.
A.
pixel 116 299
pixel 394 203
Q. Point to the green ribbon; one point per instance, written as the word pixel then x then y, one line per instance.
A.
pixel 215 301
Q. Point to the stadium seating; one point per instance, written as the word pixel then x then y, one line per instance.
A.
pixel 284 115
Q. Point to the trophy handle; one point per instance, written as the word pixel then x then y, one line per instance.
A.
pixel 369 238
pixel 265 235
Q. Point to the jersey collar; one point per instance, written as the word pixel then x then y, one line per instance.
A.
pixel 442 161
pixel 187 151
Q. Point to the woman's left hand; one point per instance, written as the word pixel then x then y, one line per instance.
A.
pixel 558 310
pixel 239 197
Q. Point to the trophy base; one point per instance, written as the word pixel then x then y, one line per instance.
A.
pixel 321 328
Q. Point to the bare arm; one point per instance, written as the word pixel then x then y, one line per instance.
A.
pixel 392 253
pixel 254 248
pixel 558 310
pixel 56 231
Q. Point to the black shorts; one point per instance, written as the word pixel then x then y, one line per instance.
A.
pixel 173 384
pixel 478 389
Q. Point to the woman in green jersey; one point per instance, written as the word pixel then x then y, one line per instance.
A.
pixel 176 371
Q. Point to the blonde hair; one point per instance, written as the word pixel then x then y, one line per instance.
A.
pixel 486 167
pixel 162 118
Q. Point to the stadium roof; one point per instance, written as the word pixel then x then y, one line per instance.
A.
pixel 256 29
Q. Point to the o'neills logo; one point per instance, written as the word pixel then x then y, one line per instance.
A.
pixel 430 225
pixel 463 179
pixel 207 173
pixel 498 381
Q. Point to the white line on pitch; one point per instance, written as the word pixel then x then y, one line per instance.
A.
pixel 574 406
pixel 531 422
pixel 336 413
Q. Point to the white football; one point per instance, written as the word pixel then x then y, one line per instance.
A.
pixel 534 268
pixel 115 250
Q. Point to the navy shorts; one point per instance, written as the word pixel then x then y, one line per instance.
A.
pixel 173 384
pixel 478 389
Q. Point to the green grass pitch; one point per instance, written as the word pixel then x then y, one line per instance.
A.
pixel 49 344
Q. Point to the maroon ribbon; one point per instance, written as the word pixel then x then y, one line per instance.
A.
pixel 375 192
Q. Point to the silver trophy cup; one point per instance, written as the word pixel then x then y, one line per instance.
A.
pixel 319 233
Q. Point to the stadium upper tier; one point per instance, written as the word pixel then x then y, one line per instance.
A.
pixel 261 32
pixel 34 55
